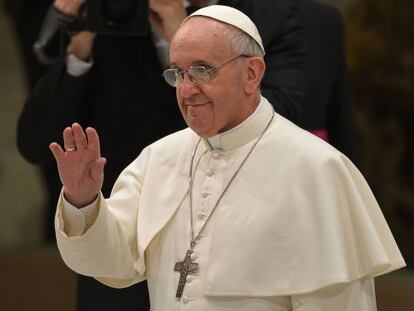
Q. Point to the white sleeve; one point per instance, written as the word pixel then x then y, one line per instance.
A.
pixel 77 67
pixel 77 220
pixel 358 295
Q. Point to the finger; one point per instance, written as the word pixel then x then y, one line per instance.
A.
pixel 68 139
pixel 75 6
pixel 156 5
pixel 57 151
pixel 79 136
pixel 152 4
pixel 64 6
pixel 58 4
pixel 69 7
pixel 93 140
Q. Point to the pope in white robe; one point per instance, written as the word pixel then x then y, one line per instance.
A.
pixel 273 217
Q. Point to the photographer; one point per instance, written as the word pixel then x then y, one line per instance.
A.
pixel 114 84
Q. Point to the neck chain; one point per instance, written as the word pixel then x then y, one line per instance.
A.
pixel 191 176
pixel 188 265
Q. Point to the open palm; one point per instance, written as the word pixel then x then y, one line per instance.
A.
pixel 80 164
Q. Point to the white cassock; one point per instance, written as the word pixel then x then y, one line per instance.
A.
pixel 298 228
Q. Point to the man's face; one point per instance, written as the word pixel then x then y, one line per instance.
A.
pixel 216 106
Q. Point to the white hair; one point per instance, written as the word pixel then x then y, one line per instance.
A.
pixel 241 42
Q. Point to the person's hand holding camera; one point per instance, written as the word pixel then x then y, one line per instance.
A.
pixel 81 44
pixel 166 16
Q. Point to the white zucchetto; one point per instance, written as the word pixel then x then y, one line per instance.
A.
pixel 232 17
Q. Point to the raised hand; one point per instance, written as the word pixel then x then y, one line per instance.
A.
pixel 80 165
pixel 80 44
pixel 166 16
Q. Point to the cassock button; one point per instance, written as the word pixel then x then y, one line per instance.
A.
pixel 297 304
pixel 193 256
pixel 188 278
pixel 201 215
pixel 215 155
pixel 204 195
pixel 184 299
pixel 210 173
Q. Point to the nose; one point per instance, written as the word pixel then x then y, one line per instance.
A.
pixel 188 88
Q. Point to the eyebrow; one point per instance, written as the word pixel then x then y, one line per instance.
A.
pixel 199 62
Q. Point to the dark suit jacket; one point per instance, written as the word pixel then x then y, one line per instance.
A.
pixel 280 24
pixel 125 98
pixel 326 105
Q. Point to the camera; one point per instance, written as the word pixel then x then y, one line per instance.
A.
pixel 117 17
pixel 113 17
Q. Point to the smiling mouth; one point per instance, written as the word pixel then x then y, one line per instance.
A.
pixel 196 105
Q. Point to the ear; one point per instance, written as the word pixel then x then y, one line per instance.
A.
pixel 255 71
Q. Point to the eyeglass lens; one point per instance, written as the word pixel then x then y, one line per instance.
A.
pixel 196 74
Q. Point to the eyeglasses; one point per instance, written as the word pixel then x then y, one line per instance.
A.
pixel 196 74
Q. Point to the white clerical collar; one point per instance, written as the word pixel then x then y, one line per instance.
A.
pixel 245 132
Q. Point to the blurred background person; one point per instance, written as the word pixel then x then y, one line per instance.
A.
pixel 327 109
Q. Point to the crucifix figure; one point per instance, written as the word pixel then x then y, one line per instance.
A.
pixel 185 267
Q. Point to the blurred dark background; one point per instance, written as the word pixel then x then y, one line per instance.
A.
pixel 380 47
pixel 381 63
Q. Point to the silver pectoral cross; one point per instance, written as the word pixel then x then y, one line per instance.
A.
pixel 185 267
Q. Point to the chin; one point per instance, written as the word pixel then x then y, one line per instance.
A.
pixel 200 132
